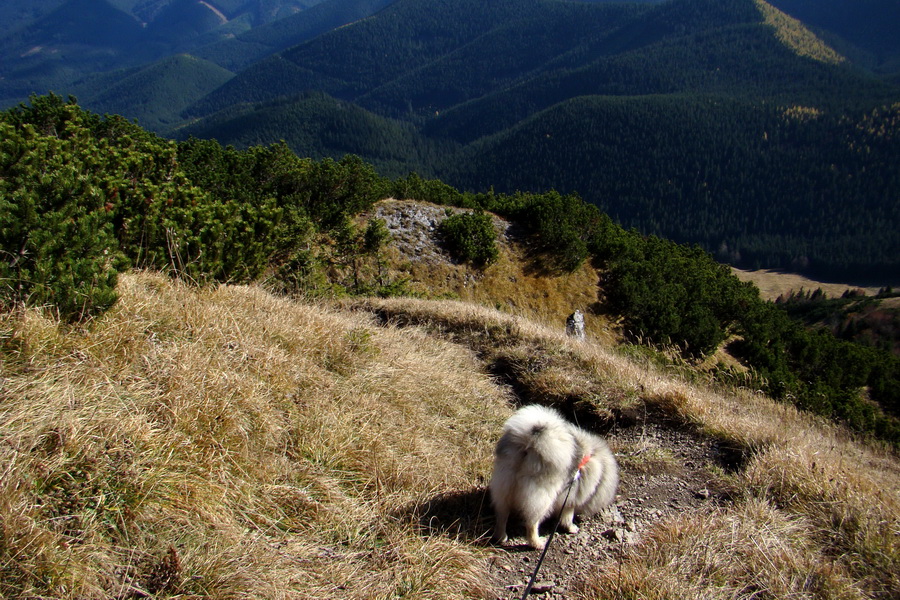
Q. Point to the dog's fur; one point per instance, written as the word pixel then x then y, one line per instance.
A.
pixel 534 463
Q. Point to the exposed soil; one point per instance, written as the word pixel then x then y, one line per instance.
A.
pixel 664 471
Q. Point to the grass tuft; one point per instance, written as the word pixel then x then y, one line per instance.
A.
pixel 751 550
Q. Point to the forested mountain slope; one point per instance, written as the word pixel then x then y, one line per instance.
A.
pixel 325 127
pixel 421 57
pixel 863 30
pixel 728 54
pixel 78 37
pixel 15 15
pixel 409 36
pixel 51 45
pixel 756 184
pixel 155 94
pixel 728 124
pixel 242 50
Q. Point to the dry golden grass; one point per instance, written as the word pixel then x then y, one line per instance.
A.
pixel 773 284
pixel 228 443
pixel 836 500
pixel 752 550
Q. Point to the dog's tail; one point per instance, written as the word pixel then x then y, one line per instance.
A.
pixel 541 434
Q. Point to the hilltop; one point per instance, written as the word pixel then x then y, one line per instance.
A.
pixel 222 441
pixel 516 283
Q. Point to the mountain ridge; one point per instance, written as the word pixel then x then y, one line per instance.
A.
pixel 796 36
pixel 259 42
pixel 174 82
pixel 68 40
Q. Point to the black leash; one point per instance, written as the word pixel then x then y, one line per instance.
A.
pixel 552 532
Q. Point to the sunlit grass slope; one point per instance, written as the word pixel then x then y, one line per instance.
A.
pixel 224 443
pixel 814 513
pixel 227 443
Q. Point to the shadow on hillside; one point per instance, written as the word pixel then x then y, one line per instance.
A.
pixel 574 407
pixel 617 417
pixel 465 515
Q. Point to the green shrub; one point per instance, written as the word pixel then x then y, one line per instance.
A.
pixel 470 237
pixel 427 190
pixel 57 244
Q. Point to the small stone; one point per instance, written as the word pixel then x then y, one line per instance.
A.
pixel 542 588
pixel 613 515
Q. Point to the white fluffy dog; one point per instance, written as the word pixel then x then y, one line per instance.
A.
pixel 536 459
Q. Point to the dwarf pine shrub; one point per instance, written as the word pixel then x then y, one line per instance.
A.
pixel 470 237
pixel 57 245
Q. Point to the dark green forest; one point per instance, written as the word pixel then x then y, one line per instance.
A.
pixel 759 185
pixel 325 127
pixel 84 197
pixel 237 52
pixel 868 320
pixel 686 119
